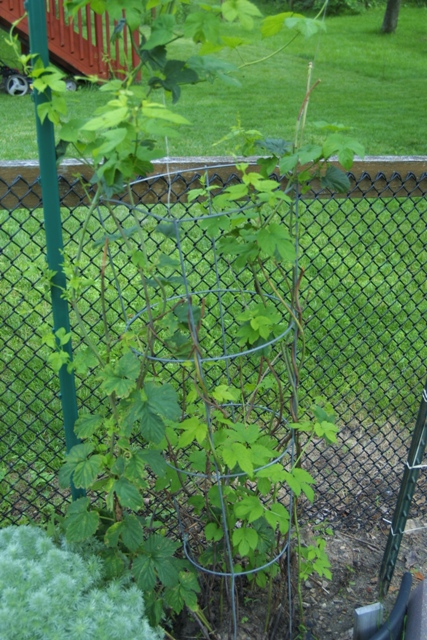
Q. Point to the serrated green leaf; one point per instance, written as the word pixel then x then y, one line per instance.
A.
pixel 80 523
pixel 115 383
pixel 245 539
pixel 163 400
pixel 288 163
pixel 160 547
pixel 192 429
pixel 293 483
pixel 213 532
pixel 275 473
pixel 87 424
pixel 143 570
pixel 86 472
pixel 274 24
pixel 136 466
pixel 128 366
pixel 132 532
pixel 175 598
pixel 128 494
pixel 250 508
pixel 264 486
pixel 152 426
pixel 110 118
pixel 277 515
pixel 335 179
pixel 112 535
pixel 236 453
pixel 155 460
pixel 168 575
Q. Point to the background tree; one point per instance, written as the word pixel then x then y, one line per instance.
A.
pixel 391 16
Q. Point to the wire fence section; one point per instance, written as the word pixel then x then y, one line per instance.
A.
pixel 365 305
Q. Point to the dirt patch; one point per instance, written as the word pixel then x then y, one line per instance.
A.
pixel 356 560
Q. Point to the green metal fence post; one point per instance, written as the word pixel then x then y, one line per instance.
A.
pixel 52 218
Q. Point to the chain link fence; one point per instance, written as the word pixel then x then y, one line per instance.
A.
pixel 364 294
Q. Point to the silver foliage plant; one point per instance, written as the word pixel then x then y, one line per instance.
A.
pixel 51 593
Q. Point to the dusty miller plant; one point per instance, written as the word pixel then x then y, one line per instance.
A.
pixel 218 450
pixel 54 593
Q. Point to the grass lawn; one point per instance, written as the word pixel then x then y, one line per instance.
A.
pixel 374 84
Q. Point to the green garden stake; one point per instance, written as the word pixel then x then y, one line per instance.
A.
pixel 406 493
pixel 52 218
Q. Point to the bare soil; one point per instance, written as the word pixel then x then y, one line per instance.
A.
pixel 356 561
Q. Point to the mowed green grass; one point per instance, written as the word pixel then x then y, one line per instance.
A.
pixel 374 84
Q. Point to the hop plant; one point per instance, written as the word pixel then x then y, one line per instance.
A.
pixel 48 593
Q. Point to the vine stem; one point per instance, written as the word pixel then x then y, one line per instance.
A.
pixel 298 558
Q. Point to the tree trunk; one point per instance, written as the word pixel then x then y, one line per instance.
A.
pixel 391 16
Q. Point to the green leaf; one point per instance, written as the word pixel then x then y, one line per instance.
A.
pixel 174 73
pixel 192 429
pixel 132 532
pixel 185 592
pixel 128 366
pixel 235 453
pixel 158 555
pixel 276 146
pixel 112 139
pixel 241 10
pixel 162 32
pixel 112 535
pixel 336 180
pixel 274 24
pixel 288 163
pixel 80 523
pixel 309 153
pixel 326 430
pixel 209 68
pixel 202 26
pixel 245 539
pixel 275 473
pixel 158 111
pixel 83 360
pixel 182 312
pixel 87 471
pixel 71 130
pixel 120 379
pixel 264 486
pixel 250 508
pixel 143 570
pixel 275 240
pixel 306 26
pixel 277 514
pixel 163 400
pixel 155 460
pixel 345 147
pixel 87 424
pixel 78 454
pixel 213 532
pixel 152 426
pixel 128 494
pixel 135 466
pixel 110 118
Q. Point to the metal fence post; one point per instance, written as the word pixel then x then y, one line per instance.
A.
pixel 52 218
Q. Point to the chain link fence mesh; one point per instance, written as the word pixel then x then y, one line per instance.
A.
pixel 364 294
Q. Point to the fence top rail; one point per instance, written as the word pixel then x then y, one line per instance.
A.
pixel 371 177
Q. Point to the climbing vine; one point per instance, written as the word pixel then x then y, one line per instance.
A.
pixel 199 391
